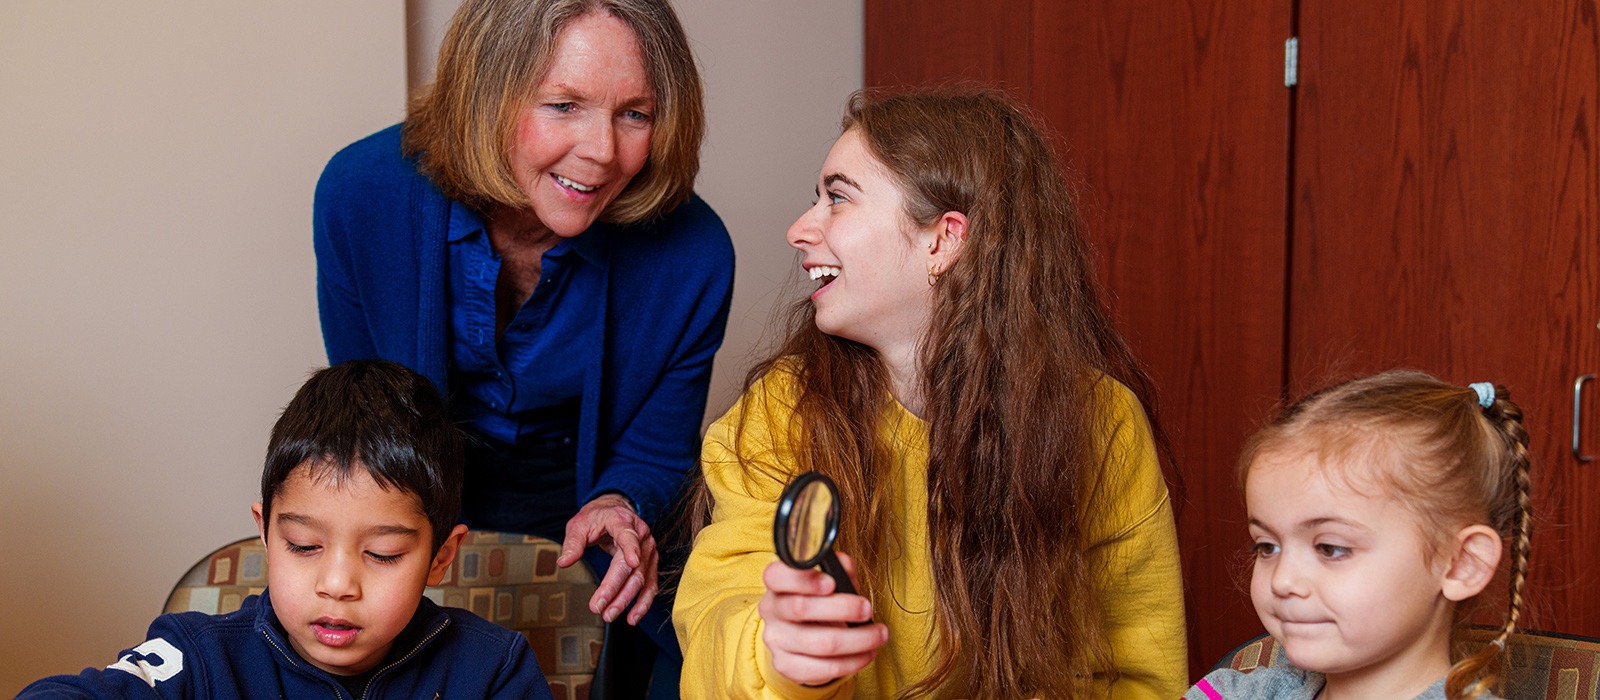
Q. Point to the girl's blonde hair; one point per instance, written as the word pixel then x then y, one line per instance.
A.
pixel 1453 460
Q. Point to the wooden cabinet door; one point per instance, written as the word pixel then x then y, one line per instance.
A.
pixel 1446 217
pixel 1177 123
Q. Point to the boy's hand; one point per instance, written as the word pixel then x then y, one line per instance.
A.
pixel 609 521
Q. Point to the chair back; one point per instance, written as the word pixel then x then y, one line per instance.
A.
pixel 510 580
pixel 1540 665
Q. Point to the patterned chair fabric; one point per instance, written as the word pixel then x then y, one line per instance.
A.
pixel 1542 665
pixel 511 580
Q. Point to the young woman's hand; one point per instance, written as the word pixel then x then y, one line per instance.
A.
pixel 806 625
pixel 609 521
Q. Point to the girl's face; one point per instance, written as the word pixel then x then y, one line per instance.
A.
pixel 870 263
pixel 1343 578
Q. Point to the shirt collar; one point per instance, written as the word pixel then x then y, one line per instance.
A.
pixel 589 245
pixel 425 624
pixel 463 222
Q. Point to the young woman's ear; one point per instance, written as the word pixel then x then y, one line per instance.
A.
pixel 1474 558
pixel 446 554
pixel 947 234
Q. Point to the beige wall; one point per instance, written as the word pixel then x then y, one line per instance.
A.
pixel 156 286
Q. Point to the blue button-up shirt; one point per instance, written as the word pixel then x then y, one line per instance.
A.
pixel 528 384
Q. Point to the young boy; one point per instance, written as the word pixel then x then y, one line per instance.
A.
pixel 358 509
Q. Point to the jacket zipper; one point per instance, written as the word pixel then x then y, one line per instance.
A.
pixel 424 642
pixel 337 693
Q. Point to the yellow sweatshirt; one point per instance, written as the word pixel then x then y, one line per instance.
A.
pixel 1135 555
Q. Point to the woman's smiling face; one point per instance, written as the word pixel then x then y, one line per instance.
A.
pixel 585 132
pixel 871 262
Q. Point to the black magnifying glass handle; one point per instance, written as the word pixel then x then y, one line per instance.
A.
pixel 831 566
pixel 841 581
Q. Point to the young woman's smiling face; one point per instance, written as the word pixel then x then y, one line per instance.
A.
pixel 347 562
pixel 1343 578
pixel 871 263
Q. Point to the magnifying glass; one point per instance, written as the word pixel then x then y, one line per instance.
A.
pixel 806 526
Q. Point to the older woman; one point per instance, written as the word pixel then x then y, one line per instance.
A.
pixel 528 239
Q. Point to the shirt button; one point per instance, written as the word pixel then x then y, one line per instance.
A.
pixel 523 326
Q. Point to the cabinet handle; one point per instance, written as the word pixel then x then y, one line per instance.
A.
pixel 1577 417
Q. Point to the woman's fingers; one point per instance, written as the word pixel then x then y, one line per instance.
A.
pixel 815 654
pixel 609 522
pixel 782 578
pixel 642 605
pixel 810 670
pixel 624 585
pixel 625 541
pixel 650 568
pixel 611 588
pixel 806 626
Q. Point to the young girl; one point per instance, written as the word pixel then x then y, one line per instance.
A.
pixel 958 377
pixel 1378 507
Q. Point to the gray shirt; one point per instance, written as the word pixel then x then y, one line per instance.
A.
pixel 1280 682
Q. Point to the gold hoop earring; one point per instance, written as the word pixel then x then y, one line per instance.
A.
pixel 933 275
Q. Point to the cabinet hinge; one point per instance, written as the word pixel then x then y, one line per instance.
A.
pixel 1291 61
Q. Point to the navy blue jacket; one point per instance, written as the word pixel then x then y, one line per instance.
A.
pixel 443 652
pixel 380 234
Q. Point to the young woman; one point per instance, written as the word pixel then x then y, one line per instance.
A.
pixel 957 375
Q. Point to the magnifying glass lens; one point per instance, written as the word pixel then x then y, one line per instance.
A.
pixel 806 525
pixel 811 521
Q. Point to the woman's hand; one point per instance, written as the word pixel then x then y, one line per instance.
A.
pixel 806 625
pixel 609 521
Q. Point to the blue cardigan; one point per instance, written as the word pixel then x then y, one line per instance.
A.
pixel 443 652
pixel 380 229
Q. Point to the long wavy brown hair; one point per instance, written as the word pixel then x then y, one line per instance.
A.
pixel 1018 340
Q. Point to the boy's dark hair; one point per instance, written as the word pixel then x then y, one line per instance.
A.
pixel 379 416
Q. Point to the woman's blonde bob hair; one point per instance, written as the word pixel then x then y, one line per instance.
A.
pixel 494 55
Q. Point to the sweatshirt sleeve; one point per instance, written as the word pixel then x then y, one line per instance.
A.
pixel 1135 552
pixel 649 460
pixel 715 613
pixel 157 668
pixel 345 333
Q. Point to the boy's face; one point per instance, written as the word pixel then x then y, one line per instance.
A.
pixel 1342 577
pixel 346 565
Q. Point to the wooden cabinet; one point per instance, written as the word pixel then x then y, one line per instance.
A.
pixel 1425 196
pixel 1446 216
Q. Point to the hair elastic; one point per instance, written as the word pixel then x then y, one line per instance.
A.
pixel 1485 393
